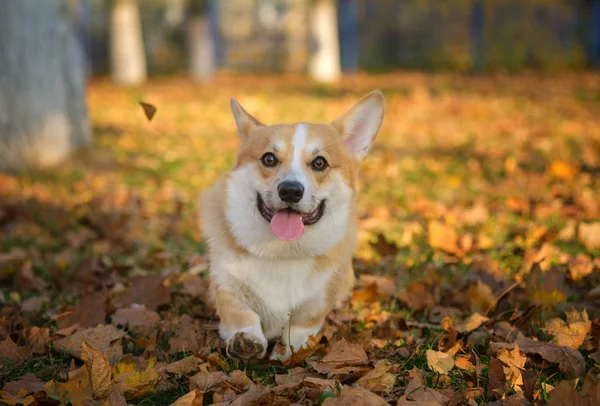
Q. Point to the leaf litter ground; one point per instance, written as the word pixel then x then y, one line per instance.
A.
pixel 478 268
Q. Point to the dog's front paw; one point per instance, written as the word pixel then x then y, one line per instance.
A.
pixel 245 346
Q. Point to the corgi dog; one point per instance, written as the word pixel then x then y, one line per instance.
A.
pixel 281 227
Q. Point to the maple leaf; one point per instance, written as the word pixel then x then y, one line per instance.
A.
pixel 132 380
pixel 441 362
pixel 20 398
pixel 573 332
pixel 105 338
pixel 514 359
pixel 9 350
pixel 76 390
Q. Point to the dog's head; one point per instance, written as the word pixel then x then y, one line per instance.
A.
pixel 292 189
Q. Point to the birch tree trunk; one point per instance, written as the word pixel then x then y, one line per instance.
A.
pixel 127 56
pixel 200 42
pixel 324 63
pixel 43 114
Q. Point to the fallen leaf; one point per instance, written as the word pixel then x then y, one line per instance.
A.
pixel 441 362
pixel 38 339
pixel 186 336
pixel 589 235
pixel 497 376
pixel 28 382
pixel 133 381
pixel 148 290
pixel 514 359
pixel 418 394
pixel 344 353
pixel 464 363
pixel 480 297
pixel 20 398
pixel 580 266
pixel 98 368
pixel 563 170
pixel 89 312
pixel 355 396
pixel 572 333
pixel 569 361
pixel 471 323
pixel 207 381
pixel 32 306
pixel 76 390
pixel 193 398
pixel 196 286
pixel 11 351
pixel 149 110
pixel 378 379
pixel 442 237
pixel 137 318
pixel 185 366
pixel 105 338
pixel 384 284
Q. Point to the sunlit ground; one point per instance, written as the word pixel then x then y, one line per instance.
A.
pixel 470 178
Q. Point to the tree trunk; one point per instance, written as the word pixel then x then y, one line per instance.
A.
pixel 43 114
pixel 127 56
pixel 200 42
pixel 324 64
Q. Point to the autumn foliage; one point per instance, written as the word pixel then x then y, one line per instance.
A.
pixel 478 271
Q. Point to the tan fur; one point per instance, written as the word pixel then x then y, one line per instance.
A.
pixel 265 288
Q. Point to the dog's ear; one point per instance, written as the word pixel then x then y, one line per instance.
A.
pixel 243 120
pixel 360 125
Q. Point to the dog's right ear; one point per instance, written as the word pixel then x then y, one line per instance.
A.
pixel 244 121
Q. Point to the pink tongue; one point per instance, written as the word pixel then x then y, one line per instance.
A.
pixel 287 225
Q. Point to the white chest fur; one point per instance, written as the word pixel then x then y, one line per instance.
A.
pixel 276 286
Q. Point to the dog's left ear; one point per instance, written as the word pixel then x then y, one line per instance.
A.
pixel 360 125
pixel 244 121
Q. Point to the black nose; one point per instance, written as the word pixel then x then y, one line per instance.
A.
pixel 290 192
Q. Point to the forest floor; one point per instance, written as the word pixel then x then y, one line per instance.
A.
pixel 478 272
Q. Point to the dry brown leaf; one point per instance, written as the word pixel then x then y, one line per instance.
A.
pixel 20 398
pixel 89 312
pixel 11 351
pixel 29 382
pixel 565 394
pixel 76 390
pixel 137 318
pixel 38 339
pixel 441 362
pixel 384 284
pixel 569 361
pixel 514 359
pixel 149 110
pixel 195 286
pixel 480 297
pixel 32 306
pixel 98 368
pixel 344 353
pixel 471 323
pixel 355 396
pixel 417 296
pixel 207 381
pixel 573 332
pixel 417 393
pixel 148 290
pixel 378 379
pixel 133 380
pixel 115 398
pixel 106 338
pixel 186 336
pixel 442 237
pixel 496 376
pixel 193 398
pixel 185 366
pixel 589 235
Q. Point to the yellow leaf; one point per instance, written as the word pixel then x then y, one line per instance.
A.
pixel 441 362
pixel 481 297
pixel 571 334
pixel 132 382
pixel 563 170
pixel 442 237
pixel 378 379
pixel 98 368
pixel 515 359
pixel 548 299
pixel 76 390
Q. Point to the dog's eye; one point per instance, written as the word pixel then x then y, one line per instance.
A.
pixel 269 160
pixel 319 164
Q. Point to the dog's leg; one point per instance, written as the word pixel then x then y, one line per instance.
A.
pixel 239 327
pixel 295 333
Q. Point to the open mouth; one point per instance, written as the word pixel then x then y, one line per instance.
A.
pixel 288 224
